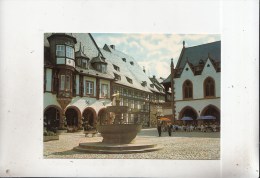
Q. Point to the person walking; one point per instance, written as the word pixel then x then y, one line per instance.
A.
pixel 169 126
pixel 159 127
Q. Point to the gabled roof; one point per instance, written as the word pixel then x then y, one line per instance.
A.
pixel 201 52
pixel 69 35
pixel 157 84
pixel 128 68
pixel 195 55
pixel 80 53
pixel 98 59
pixel 91 51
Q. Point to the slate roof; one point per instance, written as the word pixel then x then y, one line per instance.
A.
pixel 91 51
pixel 157 84
pixel 80 53
pixel 195 55
pixel 201 52
pixel 129 68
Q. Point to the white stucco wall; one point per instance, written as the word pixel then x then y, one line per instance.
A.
pixel 197 105
pixel 50 99
pixel 197 81
pixel 48 79
pixel 85 102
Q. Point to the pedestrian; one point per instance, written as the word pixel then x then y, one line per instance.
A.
pixel 169 127
pixel 159 127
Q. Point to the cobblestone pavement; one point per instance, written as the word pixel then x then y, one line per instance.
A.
pixel 180 146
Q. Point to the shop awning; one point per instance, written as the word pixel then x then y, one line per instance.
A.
pixel 186 119
pixel 206 118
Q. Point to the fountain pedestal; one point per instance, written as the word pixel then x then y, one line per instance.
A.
pixel 119 133
pixel 118 137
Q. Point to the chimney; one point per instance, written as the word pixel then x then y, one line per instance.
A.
pixel 144 69
pixel 154 76
pixel 112 46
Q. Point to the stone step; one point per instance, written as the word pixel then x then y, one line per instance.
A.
pixel 106 151
pixel 104 146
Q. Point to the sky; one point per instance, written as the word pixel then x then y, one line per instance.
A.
pixel 153 51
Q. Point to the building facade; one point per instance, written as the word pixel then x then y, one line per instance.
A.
pixel 196 84
pixel 80 79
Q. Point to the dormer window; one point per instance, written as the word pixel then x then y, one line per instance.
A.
pixel 152 85
pixel 117 77
pixel 129 80
pixel 79 62
pixel 132 63
pixel 124 59
pixel 116 68
pixel 144 83
pixel 84 64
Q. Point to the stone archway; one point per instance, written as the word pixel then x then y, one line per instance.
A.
pixel 189 112
pixel 212 110
pixel 102 117
pixel 52 118
pixel 89 117
pixel 73 116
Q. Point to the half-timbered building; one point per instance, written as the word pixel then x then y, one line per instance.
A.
pixel 80 79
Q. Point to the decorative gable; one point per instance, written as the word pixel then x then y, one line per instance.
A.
pixel 187 71
pixel 208 68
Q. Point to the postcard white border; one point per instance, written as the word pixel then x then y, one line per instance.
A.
pixel 21 59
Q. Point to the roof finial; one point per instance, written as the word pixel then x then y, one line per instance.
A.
pixel 79 46
pixel 171 62
pixel 208 55
pixel 83 49
pixel 183 43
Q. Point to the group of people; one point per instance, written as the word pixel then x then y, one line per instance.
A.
pixel 211 126
pixel 169 128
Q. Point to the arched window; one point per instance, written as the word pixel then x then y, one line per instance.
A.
pixel 209 87
pixel 187 90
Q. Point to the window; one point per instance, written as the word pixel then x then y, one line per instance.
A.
pixel 116 67
pixel 60 50
pixel 117 77
pixel 104 91
pixel 70 52
pixel 124 59
pixel 132 63
pixel 103 68
pixel 65 82
pixel 129 80
pixel 89 88
pixel 84 64
pixel 209 87
pixel 79 62
pixel 62 82
pixel 187 89
pixel 64 54
pixel 65 85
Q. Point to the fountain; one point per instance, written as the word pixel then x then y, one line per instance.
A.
pixel 118 132
pixel 118 137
